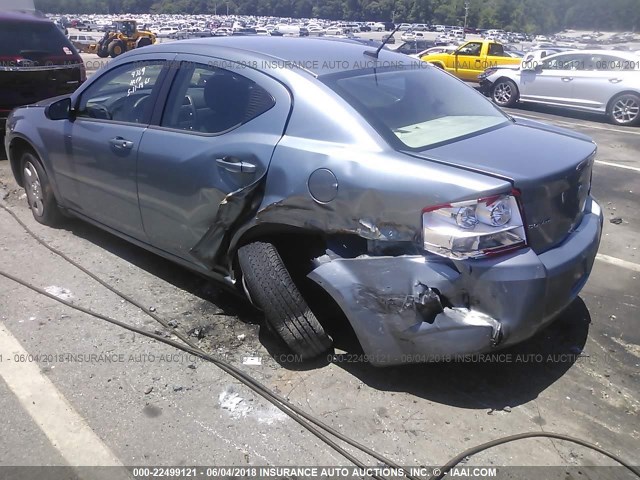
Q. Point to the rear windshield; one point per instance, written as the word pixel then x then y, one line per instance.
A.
pixel 24 39
pixel 416 108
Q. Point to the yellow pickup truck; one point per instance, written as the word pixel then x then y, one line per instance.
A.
pixel 471 59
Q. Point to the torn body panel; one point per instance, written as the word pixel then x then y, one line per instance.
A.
pixel 236 208
pixel 481 304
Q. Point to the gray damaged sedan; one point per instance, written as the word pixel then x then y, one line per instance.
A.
pixel 308 172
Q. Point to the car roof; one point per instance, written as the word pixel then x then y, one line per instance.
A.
pixel 616 53
pixel 17 16
pixel 320 56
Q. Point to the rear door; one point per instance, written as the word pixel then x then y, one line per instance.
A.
pixel 595 86
pixel 214 135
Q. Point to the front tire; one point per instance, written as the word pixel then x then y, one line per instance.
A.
pixel 116 48
pixel 625 110
pixel 40 197
pixel 272 289
pixel 504 93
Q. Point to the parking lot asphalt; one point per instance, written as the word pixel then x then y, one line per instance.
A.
pixel 144 403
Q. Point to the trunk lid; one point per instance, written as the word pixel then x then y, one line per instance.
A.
pixel 551 167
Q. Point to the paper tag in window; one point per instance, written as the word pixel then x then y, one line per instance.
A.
pixel 67 50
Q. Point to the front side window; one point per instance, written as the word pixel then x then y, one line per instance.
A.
pixel 122 94
pixel 208 99
pixel 416 108
pixel 567 62
pixel 471 49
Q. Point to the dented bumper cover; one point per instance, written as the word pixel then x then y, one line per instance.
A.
pixel 412 309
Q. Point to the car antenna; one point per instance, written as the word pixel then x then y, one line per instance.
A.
pixel 384 42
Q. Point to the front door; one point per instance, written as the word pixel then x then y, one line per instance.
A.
pixel 97 174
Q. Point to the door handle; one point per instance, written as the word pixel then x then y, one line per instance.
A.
pixel 615 80
pixel 567 79
pixel 233 164
pixel 121 143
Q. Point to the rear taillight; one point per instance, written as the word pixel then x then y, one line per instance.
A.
pixel 474 228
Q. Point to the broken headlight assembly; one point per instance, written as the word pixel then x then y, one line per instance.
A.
pixel 474 228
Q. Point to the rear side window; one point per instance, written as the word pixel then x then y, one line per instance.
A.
pixel 33 39
pixel 416 108
pixel 209 99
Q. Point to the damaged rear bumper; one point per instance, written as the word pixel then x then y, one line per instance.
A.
pixel 412 309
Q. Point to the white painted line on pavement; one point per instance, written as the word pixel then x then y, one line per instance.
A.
pixel 618 262
pixel 67 431
pixel 617 165
pixel 571 124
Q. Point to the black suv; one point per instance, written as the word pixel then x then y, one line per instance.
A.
pixel 36 62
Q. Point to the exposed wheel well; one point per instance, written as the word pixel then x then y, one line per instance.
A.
pixel 17 147
pixel 625 92
pixel 298 248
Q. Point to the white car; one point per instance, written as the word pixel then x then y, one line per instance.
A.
pixel 167 31
pixel 408 36
pixel 602 81
pixel 334 31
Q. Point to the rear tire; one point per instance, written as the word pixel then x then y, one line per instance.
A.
pixel 504 93
pixel 40 197
pixel 625 110
pixel 272 289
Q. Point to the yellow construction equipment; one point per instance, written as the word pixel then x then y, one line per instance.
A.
pixel 122 37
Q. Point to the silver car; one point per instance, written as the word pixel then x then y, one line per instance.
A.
pixel 602 81
pixel 306 173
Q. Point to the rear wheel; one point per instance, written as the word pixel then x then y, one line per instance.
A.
pixel 271 288
pixel 505 93
pixel 625 109
pixel 40 196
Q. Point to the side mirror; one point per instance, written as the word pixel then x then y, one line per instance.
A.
pixel 60 110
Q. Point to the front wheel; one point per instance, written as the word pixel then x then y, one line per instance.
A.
pixel 625 110
pixel 271 288
pixel 116 48
pixel 505 93
pixel 40 196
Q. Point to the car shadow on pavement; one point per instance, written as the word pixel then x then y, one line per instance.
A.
pixel 525 371
pixel 215 297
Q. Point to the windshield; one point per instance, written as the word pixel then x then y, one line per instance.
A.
pixel 410 107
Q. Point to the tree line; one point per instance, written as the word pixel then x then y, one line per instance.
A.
pixel 531 16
